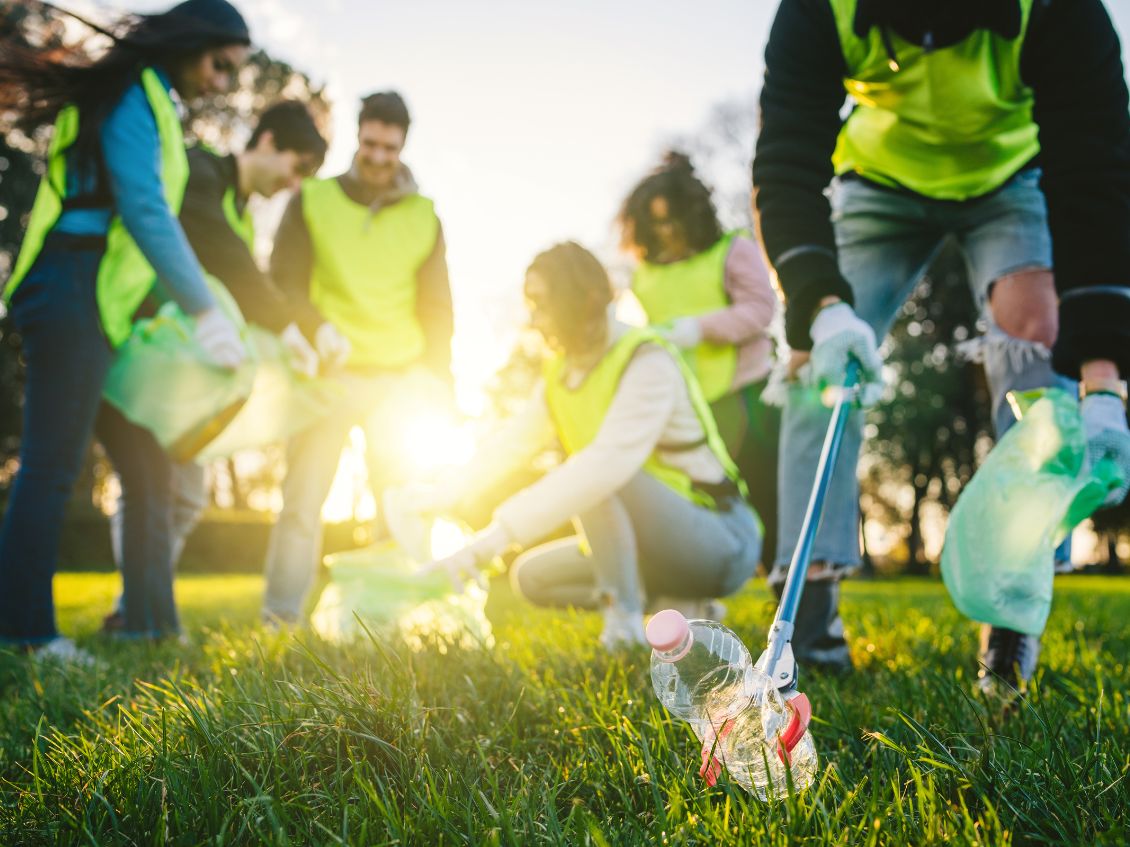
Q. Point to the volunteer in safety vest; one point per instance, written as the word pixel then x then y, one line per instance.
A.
pixel 284 147
pixel 999 126
pixel 708 292
pixel 655 497
pixel 366 250
pixel 102 229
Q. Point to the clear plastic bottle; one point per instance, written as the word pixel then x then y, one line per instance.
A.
pixel 700 670
pixel 703 673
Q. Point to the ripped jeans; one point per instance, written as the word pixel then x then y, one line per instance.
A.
pixel 886 240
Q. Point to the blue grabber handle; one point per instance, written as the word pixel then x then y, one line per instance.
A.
pixel 783 673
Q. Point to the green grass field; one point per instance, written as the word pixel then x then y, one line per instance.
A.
pixel 255 738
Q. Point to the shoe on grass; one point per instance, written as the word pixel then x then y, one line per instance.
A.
pixel 1008 662
pixel 623 628
pixel 62 651
pixel 113 622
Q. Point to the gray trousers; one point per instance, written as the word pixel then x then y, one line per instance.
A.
pixel 643 542
pixel 382 402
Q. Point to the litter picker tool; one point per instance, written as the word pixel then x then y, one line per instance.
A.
pixel 777 662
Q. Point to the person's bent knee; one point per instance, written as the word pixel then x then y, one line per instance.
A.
pixel 1024 305
pixel 523 579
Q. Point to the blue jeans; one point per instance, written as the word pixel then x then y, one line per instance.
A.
pixel 67 356
pixel 189 498
pixel 643 542
pixel 146 507
pixel 886 240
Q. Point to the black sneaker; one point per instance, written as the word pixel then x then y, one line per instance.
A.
pixel 1008 661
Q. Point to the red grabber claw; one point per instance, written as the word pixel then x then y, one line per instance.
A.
pixel 798 726
pixel 711 764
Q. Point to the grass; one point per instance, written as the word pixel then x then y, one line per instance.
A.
pixel 255 738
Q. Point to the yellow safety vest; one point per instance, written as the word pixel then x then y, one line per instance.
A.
pixel 689 288
pixel 951 124
pixel 365 265
pixel 578 413
pixel 125 276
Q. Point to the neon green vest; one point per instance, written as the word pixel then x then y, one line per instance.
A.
pixel 577 413
pixel 124 275
pixel 950 124
pixel 364 275
pixel 693 287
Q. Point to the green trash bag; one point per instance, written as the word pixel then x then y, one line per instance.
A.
pixel 377 585
pixel 162 380
pixel 282 402
pixel 1032 490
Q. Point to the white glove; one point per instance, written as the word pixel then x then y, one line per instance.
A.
pixel 1108 437
pixel 839 335
pixel 303 357
pixel 220 339
pixel 465 564
pixel 683 332
pixel 333 347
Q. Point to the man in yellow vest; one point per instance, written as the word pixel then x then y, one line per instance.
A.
pixel 366 250
pixel 285 147
pixel 998 125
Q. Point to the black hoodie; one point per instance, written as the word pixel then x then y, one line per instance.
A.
pixel 1071 59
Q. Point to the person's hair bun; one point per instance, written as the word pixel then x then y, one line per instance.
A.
pixel 677 161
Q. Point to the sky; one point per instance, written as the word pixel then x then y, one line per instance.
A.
pixel 531 120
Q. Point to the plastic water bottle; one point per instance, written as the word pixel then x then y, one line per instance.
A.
pixel 703 673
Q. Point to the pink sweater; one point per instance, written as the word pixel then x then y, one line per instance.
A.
pixel 745 322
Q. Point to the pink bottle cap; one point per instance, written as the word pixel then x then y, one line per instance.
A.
pixel 667 630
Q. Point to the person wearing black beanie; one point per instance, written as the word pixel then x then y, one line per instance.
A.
pixel 103 233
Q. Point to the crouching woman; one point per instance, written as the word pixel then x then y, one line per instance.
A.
pixel 658 505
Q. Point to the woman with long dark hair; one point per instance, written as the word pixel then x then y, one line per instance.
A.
pixel 709 292
pixel 102 231
pixel 657 501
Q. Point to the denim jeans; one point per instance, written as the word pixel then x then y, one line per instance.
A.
pixel 644 541
pixel 146 524
pixel 189 499
pixel 67 357
pixel 886 240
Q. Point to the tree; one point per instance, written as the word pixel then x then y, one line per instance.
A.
pixel 722 152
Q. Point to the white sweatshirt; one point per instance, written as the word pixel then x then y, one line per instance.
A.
pixel 651 407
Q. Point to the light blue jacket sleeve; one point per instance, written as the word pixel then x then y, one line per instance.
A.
pixel 131 151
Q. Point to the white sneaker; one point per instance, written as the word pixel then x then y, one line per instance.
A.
pixel 63 651
pixel 622 628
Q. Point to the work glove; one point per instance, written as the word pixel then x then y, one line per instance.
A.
pixel 683 332
pixel 333 347
pixel 219 338
pixel 838 335
pixel 303 357
pixel 1104 422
